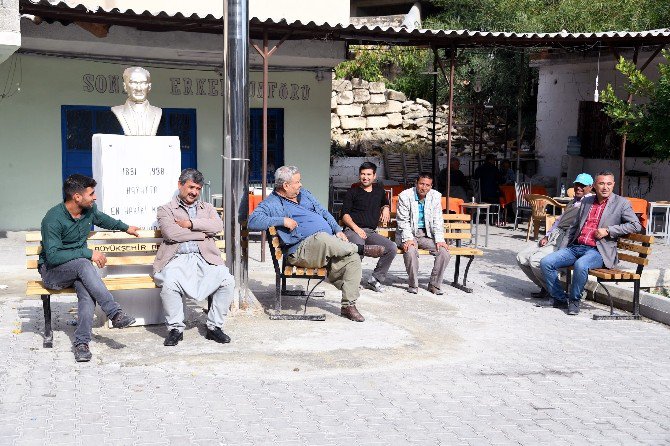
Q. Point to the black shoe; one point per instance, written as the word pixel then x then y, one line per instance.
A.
pixel 542 294
pixel 122 320
pixel 562 304
pixel 217 335
pixel 573 307
pixel 82 353
pixel 173 338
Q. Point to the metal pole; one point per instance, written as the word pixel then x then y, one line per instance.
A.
pixel 518 124
pixel 236 143
pixel 624 137
pixel 434 151
pixel 450 120
pixel 264 158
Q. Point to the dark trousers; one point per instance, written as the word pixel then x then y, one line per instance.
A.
pixel 90 289
pixel 373 238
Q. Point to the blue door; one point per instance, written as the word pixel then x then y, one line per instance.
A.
pixel 80 122
pixel 275 143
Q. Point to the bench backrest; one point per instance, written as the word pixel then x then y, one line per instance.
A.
pixel 635 248
pixel 275 248
pixel 121 249
pixel 456 227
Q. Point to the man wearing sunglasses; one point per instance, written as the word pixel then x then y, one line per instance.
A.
pixel 529 258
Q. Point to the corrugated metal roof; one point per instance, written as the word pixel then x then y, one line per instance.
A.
pixel 69 10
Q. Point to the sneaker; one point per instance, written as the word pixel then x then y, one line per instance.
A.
pixel 435 290
pixel 562 304
pixel 374 285
pixel 413 290
pixel 82 353
pixel 122 320
pixel 573 307
pixel 542 294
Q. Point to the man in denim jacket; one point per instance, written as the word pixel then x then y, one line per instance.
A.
pixel 310 236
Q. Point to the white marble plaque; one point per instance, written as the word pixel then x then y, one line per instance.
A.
pixel 135 175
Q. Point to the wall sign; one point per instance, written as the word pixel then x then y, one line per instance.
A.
pixel 186 86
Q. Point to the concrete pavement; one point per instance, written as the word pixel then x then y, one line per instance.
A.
pixel 484 368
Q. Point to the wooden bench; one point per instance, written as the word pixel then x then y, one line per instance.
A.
pixel 284 271
pixel 121 249
pixel 634 249
pixel 457 228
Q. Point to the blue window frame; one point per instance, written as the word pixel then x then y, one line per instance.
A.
pixel 80 122
pixel 275 143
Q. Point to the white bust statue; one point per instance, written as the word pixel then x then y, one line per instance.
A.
pixel 137 117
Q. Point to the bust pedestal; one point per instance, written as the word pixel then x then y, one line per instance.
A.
pixel 135 175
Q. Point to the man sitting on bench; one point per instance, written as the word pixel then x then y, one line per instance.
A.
pixel 361 211
pixel 188 261
pixel 591 241
pixel 311 237
pixel 421 226
pixel 65 259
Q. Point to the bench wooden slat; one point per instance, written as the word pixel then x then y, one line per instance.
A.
pixel 390 234
pixel 114 248
pixel 639 238
pixel 614 274
pixel 290 270
pixel 36 236
pixel 456 217
pixel 633 259
pixel 453 250
pixel 111 261
pixel 459 226
pixel 36 287
pixel 634 248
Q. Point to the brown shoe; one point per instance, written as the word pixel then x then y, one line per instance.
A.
pixel 352 313
pixel 435 290
pixel 373 250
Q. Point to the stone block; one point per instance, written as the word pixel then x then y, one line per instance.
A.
pixel 420 122
pixel 396 95
pixel 334 121
pixel 360 83
pixel 361 95
pixel 395 119
pixel 424 103
pixel 341 85
pixel 378 98
pixel 417 114
pixel 394 106
pixel 353 123
pixel 349 110
pixel 377 122
pixel 345 98
pixel 377 87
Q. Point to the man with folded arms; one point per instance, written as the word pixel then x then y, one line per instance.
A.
pixel 364 206
pixel 188 262
pixel 592 241
pixel 67 261
pixel 529 258
pixel 310 236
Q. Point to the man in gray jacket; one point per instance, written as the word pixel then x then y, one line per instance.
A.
pixel 529 259
pixel 591 241
pixel 421 226
pixel 188 261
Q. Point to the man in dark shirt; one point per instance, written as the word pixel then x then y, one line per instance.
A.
pixel 460 187
pixel 487 174
pixel 364 206
pixel 65 259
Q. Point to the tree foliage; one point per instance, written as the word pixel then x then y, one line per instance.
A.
pixel 646 121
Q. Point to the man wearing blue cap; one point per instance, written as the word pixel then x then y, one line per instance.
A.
pixel 591 241
pixel 529 259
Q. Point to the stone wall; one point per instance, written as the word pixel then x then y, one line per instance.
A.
pixel 366 117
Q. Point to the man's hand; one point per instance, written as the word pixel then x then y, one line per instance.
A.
pixel 602 233
pixel 361 233
pixel 290 224
pixel 186 224
pixel 341 236
pixel 99 259
pixel 386 216
pixel 544 241
pixel 407 244
pixel 133 230
pixel 439 245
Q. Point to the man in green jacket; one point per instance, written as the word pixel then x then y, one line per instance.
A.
pixel 66 260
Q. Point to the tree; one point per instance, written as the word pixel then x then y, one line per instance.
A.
pixel 644 122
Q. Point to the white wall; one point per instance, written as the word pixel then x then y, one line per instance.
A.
pixel 562 84
pixel 30 127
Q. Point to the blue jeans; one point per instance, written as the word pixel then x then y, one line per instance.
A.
pixel 582 257
pixel 81 274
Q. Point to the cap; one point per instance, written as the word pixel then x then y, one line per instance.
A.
pixel 585 179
